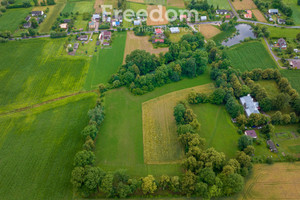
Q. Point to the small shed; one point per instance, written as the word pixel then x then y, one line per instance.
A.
pixel 203 18
pixel 76 45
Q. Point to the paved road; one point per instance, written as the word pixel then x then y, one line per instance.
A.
pixel 233 9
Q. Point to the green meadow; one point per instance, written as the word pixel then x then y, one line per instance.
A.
pixel 79 6
pixel 276 32
pixel 38 73
pixel 106 62
pixel 250 55
pixel 12 18
pixel 37 148
pixel 293 77
pixel 222 4
pixel 120 141
pixel 296 10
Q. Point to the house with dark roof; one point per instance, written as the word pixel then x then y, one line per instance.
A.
pixel 83 38
pixel 76 45
pixel 222 12
pixel 37 13
pixel 295 64
pixel 251 133
pixel 27 25
pixel 281 21
pixel 67 21
pixel 27 18
pixel 282 43
pixel 250 106
pixel 272 146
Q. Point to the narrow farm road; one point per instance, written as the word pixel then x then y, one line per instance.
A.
pixel 43 103
pixel 272 53
pixel 233 10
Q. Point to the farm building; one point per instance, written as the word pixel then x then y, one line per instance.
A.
pixel 281 21
pixel 249 105
pixel 203 18
pixel 273 11
pixel 27 18
pixel 248 15
pixel 83 38
pixel 174 30
pixel 272 146
pixel 63 26
pixel 295 64
pixel 76 45
pixel 27 25
pixel 281 43
pixel 96 17
pixel 222 12
pixel 251 133
pixel 37 13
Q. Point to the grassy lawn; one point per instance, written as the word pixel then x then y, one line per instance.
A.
pixel 79 6
pixel 40 72
pixel 219 38
pixel 37 148
pixel 276 32
pixel 217 128
pixel 270 86
pixel 223 4
pixel 121 145
pixel 296 10
pixel 106 62
pixel 293 77
pixel 135 6
pixel 12 18
pixel 250 55
pixel 175 37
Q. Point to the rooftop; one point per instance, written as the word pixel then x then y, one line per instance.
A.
pixel 250 106
pixel 251 133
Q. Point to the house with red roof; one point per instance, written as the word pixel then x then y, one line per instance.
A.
pixel 158 31
pixel 248 15
pixel 158 41
pixel 251 133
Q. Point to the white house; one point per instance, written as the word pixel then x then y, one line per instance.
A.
pixel 37 13
pixel 96 17
pixel 203 18
pixel 174 30
pixel 249 105
pixel 273 11
pixel 136 22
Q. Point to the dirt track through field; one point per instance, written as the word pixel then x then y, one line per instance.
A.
pixel 43 103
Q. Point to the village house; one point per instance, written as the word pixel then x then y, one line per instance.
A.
pixel 67 21
pixel 92 25
pixel 249 105
pixel 222 12
pixel 281 43
pixel 37 13
pixel 136 22
pixel 96 17
pixel 174 30
pixel 272 146
pixel 63 26
pixel 181 17
pixel 27 18
pixel 115 23
pixel 251 133
pixel 105 35
pixel 295 64
pixel 76 45
pixel 203 18
pixel 281 21
pixel 83 38
pixel 27 25
pixel 106 43
pixel 158 31
pixel 248 15
pixel 273 11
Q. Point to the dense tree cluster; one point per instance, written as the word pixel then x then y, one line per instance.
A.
pixel 144 71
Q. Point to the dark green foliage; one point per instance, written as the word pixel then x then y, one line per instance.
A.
pixel 244 142
pixel 218 96
pixel 83 158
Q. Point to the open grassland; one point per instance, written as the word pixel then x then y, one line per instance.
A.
pixel 120 142
pixel 161 145
pixel 45 27
pixel 208 31
pixel 106 62
pixel 296 10
pixel 38 73
pixel 79 6
pixel 276 32
pixel 37 148
pixel 175 37
pixel 135 6
pixel 134 42
pixel 155 16
pixel 176 3
pixel 277 181
pixel 249 56
pixel 259 16
pixel 270 86
pixel 294 78
pixel 222 4
pixel 12 18
pixel 217 128
pixel 244 4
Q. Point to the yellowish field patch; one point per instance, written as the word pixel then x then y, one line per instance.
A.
pixel 137 1
pixel 176 3
pixel 161 145
pixel 208 31
pixel 155 21
pixel 134 42
pixel 97 5
pixel 259 16
pixel 277 181
pixel 244 4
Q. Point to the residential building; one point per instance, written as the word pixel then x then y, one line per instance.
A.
pixel 181 17
pixel 105 35
pixel 203 18
pixel 27 25
pixel 272 146
pixel 137 22
pixel 67 21
pixel 251 133
pixel 96 17
pixel 281 21
pixel 92 25
pixel 116 23
pixel 76 45
pixel 273 11
pixel 37 13
pixel 83 38
pixel 249 105
pixel 158 41
pixel 63 26
pixel 248 15
pixel 158 31
pixel 282 43
pixel 106 43
pixel 295 64
pixel 27 18
pixel 174 30
pixel 222 12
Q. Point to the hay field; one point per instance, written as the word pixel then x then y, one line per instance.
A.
pixel 136 1
pixel 259 16
pixel 277 181
pixel 161 145
pixel 97 5
pixel 154 22
pixel 244 4
pixel 134 42
pixel 176 3
pixel 208 31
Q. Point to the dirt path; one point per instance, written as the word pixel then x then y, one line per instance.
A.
pixel 43 103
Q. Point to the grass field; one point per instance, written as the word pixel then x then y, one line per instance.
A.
pixel 244 4
pixel 277 181
pixel 296 10
pixel 217 128
pixel 37 148
pixel 160 138
pixel 121 146
pixel 249 56
pixel 79 6
pixel 176 3
pixel 276 32
pixel 293 77
pixel 219 38
pixel 40 72
pixel 208 31
pixel 12 18
pixel 222 4
pixel 175 37
pixel 155 16
pixel 45 27
pixel 259 16
pixel 270 86
pixel 140 42
pixel 135 6
pixel 106 62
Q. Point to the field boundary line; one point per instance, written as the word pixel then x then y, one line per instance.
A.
pixel 44 103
